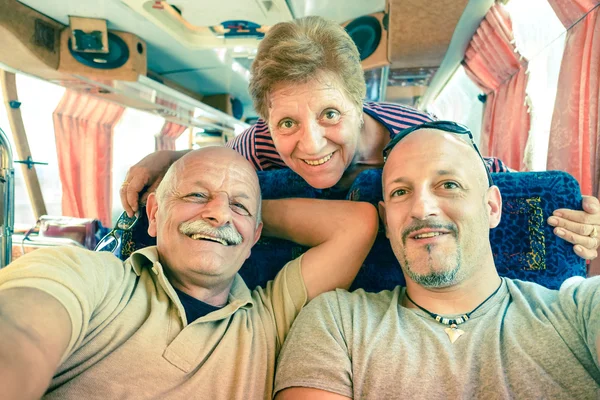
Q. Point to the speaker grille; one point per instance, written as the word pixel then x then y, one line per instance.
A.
pixel 366 34
pixel 44 35
pixel 116 57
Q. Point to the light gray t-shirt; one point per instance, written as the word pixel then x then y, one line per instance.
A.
pixel 526 342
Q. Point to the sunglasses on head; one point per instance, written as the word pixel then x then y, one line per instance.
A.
pixel 112 240
pixel 446 126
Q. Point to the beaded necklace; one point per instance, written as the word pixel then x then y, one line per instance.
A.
pixel 452 331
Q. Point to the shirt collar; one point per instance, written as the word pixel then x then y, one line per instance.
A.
pixel 239 294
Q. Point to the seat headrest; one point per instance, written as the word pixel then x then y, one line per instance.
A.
pixel 523 244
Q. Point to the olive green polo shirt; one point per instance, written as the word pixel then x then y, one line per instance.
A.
pixel 130 337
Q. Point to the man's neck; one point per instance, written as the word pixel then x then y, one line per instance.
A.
pixel 371 141
pixel 215 295
pixel 456 299
pixel 373 138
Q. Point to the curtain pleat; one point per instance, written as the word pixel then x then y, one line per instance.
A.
pixel 575 132
pixel 83 126
pixel 493 63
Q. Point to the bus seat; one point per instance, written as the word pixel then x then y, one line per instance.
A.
pixel 523 245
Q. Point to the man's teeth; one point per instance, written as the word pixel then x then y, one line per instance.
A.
pixel 428 235
pixel 198 236
pixel 320 161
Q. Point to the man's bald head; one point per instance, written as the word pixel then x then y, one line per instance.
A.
pixel 428 141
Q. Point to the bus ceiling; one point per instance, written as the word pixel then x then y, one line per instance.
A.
pixel 191 49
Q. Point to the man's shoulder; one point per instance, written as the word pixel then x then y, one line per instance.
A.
pixel 66 264
pixel 288 285
pixel 67 254
pixel 357 301
pixel 573 291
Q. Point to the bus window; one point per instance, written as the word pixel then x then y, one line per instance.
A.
pixel 541 40
pixel 133 139
pixel 38 100
pixel 460 102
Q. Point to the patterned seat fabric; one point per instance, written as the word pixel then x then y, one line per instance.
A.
pixel 523 245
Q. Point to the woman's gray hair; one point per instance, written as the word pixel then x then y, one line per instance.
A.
pixel 300 50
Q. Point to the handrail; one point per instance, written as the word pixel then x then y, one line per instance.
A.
pixel 7 200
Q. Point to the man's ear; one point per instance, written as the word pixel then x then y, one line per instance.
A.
pixel 494 202
pixel 257 233
pixel 381 207
pixel 151 210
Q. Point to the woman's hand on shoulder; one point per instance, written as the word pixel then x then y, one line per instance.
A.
pixel 143 178
pixel 581 228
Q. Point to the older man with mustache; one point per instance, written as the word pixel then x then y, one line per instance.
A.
pixel 175 320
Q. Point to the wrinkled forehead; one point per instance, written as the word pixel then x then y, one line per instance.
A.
pixel 323 87
pixel 232 175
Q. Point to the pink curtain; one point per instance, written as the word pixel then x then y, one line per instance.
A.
pixel 492 62
pixel 169 133
pixel 575 131
pixel 83 126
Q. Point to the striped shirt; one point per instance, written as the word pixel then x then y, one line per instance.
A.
pixel 256 144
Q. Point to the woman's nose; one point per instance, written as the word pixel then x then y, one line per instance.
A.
pixel 313 139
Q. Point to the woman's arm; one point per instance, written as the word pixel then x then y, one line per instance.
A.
pixel 143 178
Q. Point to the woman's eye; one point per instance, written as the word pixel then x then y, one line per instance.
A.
pixel 331 115
pixel 286 124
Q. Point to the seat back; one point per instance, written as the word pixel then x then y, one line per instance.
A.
pixel 523 245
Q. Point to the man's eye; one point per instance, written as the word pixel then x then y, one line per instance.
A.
pixel 398 192
pixel 331 115
pixel 197 195
pixel 240 209
pixel 450 185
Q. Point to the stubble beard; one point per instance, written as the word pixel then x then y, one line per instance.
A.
pixel 434 278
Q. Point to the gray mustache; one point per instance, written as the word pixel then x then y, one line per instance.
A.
pixel 226 232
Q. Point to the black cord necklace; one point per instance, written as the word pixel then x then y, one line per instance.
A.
pixel 453 332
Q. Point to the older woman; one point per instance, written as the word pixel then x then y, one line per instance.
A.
pixel 308 88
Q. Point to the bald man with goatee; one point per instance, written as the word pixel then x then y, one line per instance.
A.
pixel 457 330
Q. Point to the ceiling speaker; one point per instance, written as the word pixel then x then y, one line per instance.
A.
pixel 117 56
pixel 124 61
pixel 370 34
pixel 366 34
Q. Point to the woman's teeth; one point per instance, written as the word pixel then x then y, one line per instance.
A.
pixel 320 161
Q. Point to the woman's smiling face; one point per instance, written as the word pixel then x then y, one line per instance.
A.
pixel 315 128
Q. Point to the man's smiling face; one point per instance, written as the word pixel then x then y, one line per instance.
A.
pixel 205 217
pixel 437 207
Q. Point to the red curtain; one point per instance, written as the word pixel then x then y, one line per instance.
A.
pixel 169 133
pixel 575 131
pixel 493 63
pixel 83 126
pixel 574 144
